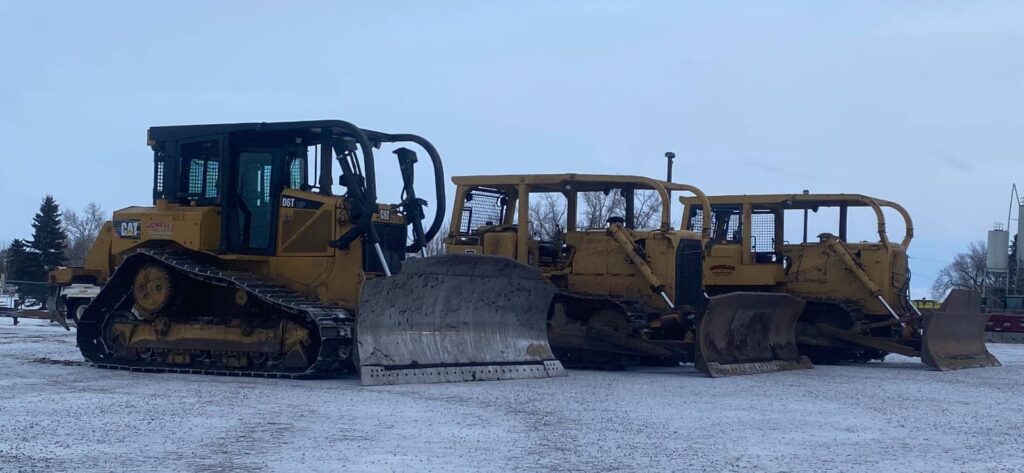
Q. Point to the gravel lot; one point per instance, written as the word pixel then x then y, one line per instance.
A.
pixel 58 415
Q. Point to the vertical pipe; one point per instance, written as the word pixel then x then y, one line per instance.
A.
pixel 523 233
pixel 630 196
pixel 745 240
pixel 805 219
pixel 455 227
pixel 842 221
pixel 805 225
pixel 780 231
pixel 1017 281
pixel 326 141
pixel 571 197
pixel 669 157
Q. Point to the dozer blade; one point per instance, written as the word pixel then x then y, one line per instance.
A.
pixel 954 336
pixel 749 333
pixel 455 318
pixel 55 313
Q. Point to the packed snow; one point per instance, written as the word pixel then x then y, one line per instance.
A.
pixel 59 414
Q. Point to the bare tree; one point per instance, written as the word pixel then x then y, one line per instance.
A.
pixel 597 207
pixel 648 209
pixel 435 247
pixel 547 216
pixel 967 271
pixel 548 211
pixel 82 230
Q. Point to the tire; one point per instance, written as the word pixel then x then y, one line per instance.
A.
pixel 74 308
pixel 71 310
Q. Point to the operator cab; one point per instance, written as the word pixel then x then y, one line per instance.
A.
pixel 574 228
pixel 258 174
pixel 727 228
pixel 542 219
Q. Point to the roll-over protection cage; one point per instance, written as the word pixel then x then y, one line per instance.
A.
pixel 747 205
pixel 512 187
pixel 190 160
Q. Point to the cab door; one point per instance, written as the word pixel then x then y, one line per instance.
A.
pixel 250 207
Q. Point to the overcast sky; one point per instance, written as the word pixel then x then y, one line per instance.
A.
pixel 917 102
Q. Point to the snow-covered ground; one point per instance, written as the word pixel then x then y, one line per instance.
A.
pixel 57 414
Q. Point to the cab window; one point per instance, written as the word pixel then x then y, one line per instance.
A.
pixel 296 171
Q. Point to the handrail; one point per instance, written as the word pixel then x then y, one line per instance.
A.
pixel 907 221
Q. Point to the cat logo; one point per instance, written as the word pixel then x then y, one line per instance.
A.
pixel 129 229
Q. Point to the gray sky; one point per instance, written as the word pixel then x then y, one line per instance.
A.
pixel 917 102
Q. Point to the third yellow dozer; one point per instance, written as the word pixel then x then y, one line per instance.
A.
pixel 625 293
pixel 243 267
pixel 857 296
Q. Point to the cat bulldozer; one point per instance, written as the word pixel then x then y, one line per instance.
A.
pixel 625 294
pixel 243 267
pixel 857 295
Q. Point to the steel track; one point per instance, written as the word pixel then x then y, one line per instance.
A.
pixel 331 324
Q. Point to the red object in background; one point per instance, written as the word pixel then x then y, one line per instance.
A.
pixel 1005 323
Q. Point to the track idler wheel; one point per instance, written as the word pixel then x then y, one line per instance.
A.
pixel 114 337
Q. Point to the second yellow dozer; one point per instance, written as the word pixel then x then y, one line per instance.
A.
pixel 857 295
pixel 625 294
pixel 243 268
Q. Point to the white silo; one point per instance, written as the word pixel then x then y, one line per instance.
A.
pixel 998 256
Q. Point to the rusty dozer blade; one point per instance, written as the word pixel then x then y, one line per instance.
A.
pixel 749 333
pixel 954 336
pixel 455 318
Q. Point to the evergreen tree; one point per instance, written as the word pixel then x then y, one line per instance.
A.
pixel 24 264
pixel 3 257
pixel 48 237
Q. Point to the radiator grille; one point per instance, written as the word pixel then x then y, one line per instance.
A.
pixel 689 274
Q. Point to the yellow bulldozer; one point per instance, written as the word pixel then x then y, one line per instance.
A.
pixel 625 294
pixel 857 296
pixel 242 266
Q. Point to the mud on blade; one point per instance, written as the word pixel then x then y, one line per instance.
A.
pixel 749 333
pixel 455 318
pixel 954 336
